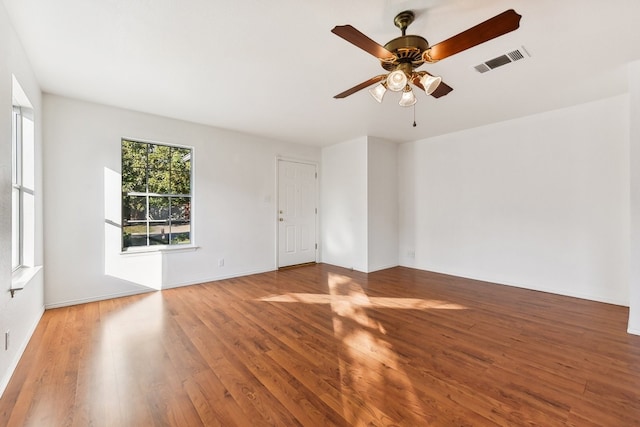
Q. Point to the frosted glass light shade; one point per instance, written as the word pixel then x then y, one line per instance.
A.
pixel 430 83
pixel 408 99
pixel 378 92
pixel 396 80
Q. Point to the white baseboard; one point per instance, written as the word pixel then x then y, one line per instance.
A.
pixel 216 278
pixel 98 298
pixel 145 290
pixel 555 291
pixel 633 331
pixel 381 267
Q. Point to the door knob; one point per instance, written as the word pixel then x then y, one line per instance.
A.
pixel 281 219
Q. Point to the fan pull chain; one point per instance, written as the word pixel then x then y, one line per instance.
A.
pixel 414 115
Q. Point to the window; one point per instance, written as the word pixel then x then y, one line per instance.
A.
pixel 156 194
pixel 22 193
pixel 16 181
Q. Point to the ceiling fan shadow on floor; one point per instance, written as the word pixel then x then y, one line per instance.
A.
pixel 403 55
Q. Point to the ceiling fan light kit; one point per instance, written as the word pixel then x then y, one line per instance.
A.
pixel 408 98
pixel 378 92
pixel 430 83
pixel 403 55
pixel 397 80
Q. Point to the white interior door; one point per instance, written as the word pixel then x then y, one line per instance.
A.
pixel 297 213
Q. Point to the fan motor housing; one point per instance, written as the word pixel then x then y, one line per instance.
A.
pixel 408 49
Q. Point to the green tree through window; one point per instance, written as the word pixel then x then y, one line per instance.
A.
pixel 156 194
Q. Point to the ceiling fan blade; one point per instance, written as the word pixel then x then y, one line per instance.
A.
pixel 361 86
pixel 415 80
pixel 441 90
pixel 497 26
pixel 358 39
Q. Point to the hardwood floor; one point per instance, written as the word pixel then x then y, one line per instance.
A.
pixel 321 345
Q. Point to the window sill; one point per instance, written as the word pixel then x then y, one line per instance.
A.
pixel 21 278
pixel 137 250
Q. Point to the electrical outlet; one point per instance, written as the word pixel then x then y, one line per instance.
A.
pixel 6 340
pixel 221 262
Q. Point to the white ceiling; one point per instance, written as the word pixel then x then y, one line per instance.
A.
pixel 271 68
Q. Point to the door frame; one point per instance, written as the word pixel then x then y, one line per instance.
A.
pixel 277 205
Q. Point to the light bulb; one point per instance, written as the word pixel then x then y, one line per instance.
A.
pixel 430 83
pixel 378 92
pixel 396 80
pixel 408 98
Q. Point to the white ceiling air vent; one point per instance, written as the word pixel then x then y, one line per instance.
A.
pixel 507 58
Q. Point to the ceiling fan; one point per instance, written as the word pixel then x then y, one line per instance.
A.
pixel 403 55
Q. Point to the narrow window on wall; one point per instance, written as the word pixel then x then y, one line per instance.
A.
pixel 22 188
pixel 156 194
pixel 16 181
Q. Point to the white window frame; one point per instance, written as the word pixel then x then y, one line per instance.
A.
pixel 21 250
pixel 23 190
pixel 17 210
pixel 147 195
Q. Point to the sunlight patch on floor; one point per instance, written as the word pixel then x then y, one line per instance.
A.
pixel 369 366
pixel 364 301
pixel 370 369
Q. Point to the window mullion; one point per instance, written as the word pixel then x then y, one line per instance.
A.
pixel 146 188
pixel 148 221
pixel 170 215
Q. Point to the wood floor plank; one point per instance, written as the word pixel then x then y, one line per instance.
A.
pixel 323 345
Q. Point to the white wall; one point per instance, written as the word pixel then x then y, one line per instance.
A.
pixel 540 202
pixel 634 165
pixel 382 206
pixel 18 315
pixel 359 204
pixel 343 204
pixel 234 208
